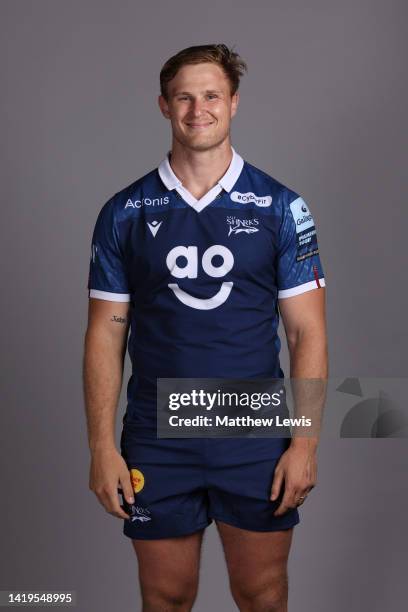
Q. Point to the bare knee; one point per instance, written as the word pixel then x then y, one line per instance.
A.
pixel 168 572
pixel 269 595
pixel 171 596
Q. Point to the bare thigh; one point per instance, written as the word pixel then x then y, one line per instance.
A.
pixel 168 571
pixel 257 566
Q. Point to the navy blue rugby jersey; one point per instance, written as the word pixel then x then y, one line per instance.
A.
pixel 203 277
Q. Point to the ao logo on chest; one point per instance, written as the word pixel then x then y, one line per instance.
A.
pixel 183 262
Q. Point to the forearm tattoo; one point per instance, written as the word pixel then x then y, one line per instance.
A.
pixel 118 319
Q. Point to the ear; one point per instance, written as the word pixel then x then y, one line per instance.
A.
pixel 164 107
pixel 234 103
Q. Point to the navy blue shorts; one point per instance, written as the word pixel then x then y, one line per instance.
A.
pixel 183 484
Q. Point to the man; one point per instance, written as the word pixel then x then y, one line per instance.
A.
pixel 201 300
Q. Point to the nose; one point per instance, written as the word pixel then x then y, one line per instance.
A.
pixel 196 107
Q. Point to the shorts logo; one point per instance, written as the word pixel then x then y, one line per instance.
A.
pixel 147 202
pixel 237 226
pixel 189 257
pixel 137 480
pixel 246 198
pixel 139 514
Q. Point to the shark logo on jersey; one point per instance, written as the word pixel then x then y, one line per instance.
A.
pixel 190 270
pixel 246 198
pixel 237 226
pixel 154 226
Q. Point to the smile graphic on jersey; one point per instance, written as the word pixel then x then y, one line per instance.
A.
pixel 190 270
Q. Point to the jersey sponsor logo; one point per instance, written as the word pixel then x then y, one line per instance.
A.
pixel 306 255
pixel 147 202
pixel 305 230
pixel 154 226
pixel 137 480
pixel 189 269
pixel 301 215
pixel 238 226
pixel 246 198
pixel 306 237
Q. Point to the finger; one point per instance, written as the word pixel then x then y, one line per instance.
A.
pixel 112 506
pixel 127 489
pixel 282 509
pixel 287 503
pixel 276 485
pixel 304 494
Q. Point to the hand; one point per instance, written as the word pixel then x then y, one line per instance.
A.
pixel 108 472
pixel 297 468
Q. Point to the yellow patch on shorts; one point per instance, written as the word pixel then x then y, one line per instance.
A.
pixel 137 479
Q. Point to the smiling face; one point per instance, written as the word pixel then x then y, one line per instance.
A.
pixel 199 106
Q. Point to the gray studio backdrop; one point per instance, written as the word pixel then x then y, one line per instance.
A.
pixel 323 110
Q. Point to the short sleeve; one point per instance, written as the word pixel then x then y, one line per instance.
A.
pixel 299 265
pixel 107 274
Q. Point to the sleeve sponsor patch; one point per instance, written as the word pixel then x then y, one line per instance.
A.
pixel 306 240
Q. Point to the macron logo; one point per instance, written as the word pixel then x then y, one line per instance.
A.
pixel 154 226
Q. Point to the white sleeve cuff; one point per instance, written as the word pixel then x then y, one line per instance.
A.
pixel 107 295
pixel 314 284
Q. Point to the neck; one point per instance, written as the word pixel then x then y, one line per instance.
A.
pixel 199 171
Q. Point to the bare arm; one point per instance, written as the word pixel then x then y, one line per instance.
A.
pixel 305 325
pixel 304 318
pixel 104 353
pixel 105 349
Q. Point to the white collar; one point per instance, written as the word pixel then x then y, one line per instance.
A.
pixel 226 182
